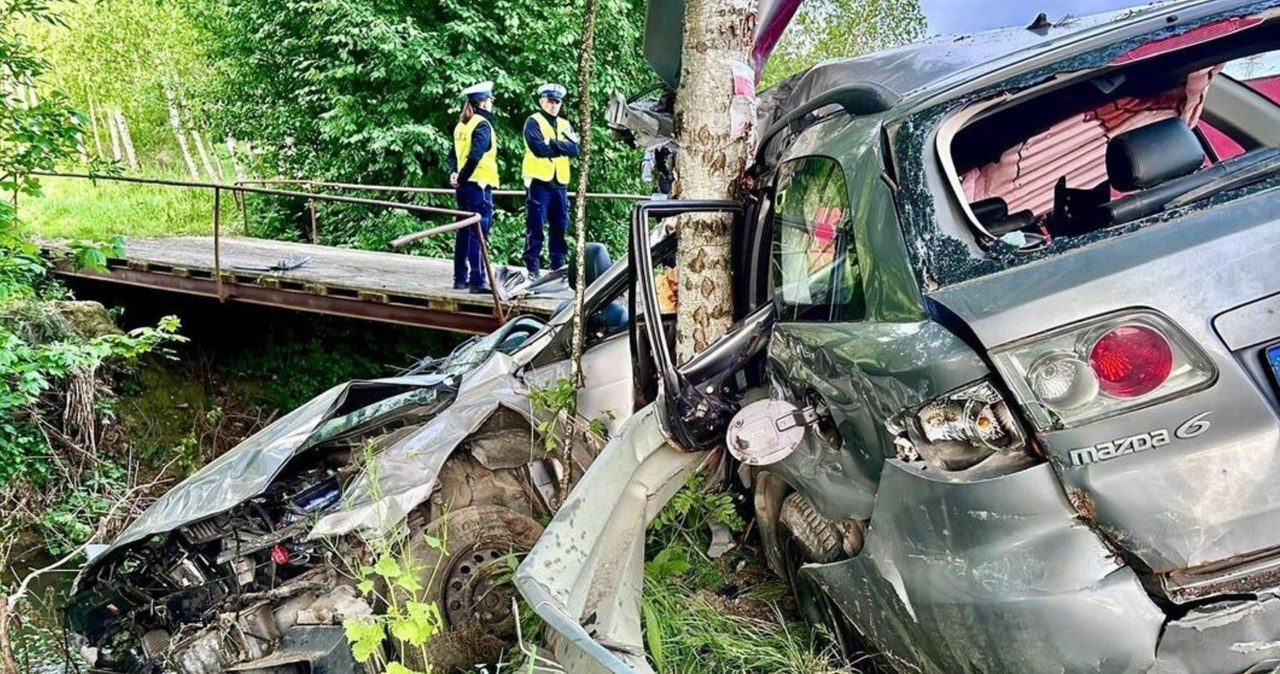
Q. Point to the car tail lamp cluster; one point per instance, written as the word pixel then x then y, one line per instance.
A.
pixel 958 430
pixel 1102 368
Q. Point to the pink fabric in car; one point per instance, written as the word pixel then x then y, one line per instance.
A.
pixel 1076 147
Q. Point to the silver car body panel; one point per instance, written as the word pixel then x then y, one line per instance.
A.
pixel 1157 503
pixel 585 576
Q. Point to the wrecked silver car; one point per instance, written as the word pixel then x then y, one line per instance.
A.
pixel 1005 378
pixel 251 564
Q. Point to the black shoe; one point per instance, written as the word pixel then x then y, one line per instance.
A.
pixel 480 290
pixel 460 286
pixel 534 275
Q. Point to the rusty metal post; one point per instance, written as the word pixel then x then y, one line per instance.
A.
pixel 488 268
pixel 217 243
pixel 244 209
pixel 312 205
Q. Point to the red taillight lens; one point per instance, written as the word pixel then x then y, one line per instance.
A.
pixel 1131 360
pixel 1102 367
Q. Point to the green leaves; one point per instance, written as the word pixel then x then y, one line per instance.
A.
pixel 829 29
pixel 365 635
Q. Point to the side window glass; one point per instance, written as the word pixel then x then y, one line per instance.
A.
pixel 816 276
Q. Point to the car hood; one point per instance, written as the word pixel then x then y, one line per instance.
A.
pixel 249 468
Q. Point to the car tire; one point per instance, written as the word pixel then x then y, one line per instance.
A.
pixel 818 537
pixel 805 537
pixel 464 565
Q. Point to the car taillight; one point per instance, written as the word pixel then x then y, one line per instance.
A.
pixel 958 430
pixel 1101 368
pixel 1131 361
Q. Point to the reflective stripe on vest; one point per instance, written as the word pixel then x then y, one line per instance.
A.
pixel 538 168
pixel 486 173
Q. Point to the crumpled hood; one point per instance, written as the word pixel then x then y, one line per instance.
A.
pixel 248 469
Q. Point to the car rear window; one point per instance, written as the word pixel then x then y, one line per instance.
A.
pixel 1261 73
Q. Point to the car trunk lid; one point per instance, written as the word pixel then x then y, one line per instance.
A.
pixel 1174 496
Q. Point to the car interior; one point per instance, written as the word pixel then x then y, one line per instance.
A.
pixel 1168 123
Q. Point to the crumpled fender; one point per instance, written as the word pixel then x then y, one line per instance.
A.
pixel 585 576
pixel 403 476
pixel 249 468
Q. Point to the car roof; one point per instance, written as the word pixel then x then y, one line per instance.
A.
pixel 940 64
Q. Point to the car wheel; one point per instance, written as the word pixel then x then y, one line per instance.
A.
pixel 805 537
pixel 465 566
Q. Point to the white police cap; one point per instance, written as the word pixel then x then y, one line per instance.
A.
pixel 479 92
pixel 552 90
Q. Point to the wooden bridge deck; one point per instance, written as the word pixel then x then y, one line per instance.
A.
pixel 389 287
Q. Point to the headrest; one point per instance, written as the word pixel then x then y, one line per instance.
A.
pixel 598 262
pixel 1153 154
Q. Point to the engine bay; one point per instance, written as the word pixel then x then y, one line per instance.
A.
pixel 224 590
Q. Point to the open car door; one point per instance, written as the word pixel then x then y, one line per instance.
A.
pixel 585 576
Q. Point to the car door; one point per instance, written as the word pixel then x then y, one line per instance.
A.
pixel 851 341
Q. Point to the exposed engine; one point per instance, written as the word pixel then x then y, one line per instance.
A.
pixel 228 590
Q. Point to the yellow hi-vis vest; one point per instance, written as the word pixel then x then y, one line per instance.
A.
pixel 537 168
pixel 486 173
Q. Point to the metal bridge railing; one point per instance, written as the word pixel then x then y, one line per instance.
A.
pixel 465 218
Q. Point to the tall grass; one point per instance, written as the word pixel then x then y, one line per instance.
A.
pixel 74 208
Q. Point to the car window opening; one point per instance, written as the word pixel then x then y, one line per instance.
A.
pixel 1115 146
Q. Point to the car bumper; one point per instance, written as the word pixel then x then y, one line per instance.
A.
pixel 585 576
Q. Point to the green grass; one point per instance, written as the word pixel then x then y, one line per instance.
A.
pixel 74 208
pixel 692 628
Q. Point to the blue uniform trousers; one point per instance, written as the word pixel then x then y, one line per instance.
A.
pixel 467 266
pixel 546 202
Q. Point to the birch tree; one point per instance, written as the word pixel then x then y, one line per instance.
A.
pixel 209 165
pixel 126 139
pixel 718 35
pixel 175 120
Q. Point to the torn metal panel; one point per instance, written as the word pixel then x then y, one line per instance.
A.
pixel 246 471
pixel 586 574
pixel 404 475
pixel 1223 638
pixel 1000 573
pixel 864 373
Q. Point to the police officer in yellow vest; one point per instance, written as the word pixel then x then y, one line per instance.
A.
pixel 473 173
pixel 549 143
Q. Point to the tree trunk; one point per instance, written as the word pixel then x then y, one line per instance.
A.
pixel 717 35
pixel 7 664
pixel 235 161
pixel 214 176
pixel 126 139
pixel 93 121
pixel 175 120
pixel 114 131
pixel 585 62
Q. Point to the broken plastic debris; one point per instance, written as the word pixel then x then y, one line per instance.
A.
pixel 1017 239
pixel 721 541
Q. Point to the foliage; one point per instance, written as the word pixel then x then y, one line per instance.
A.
pixel 553 398
pixel 77 209
pixel 286 363
pixel 393 582
pixel 118 53
pixel 367 91
pixel 829 29
pixel 407 618
pixel 688 629
pixel 695 616
pixel 28 371
pixel 692 511
pixel 69 521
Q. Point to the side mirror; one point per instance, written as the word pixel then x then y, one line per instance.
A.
pixel 767 431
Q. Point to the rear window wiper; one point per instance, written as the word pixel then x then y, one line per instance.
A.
pixel 1247 176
